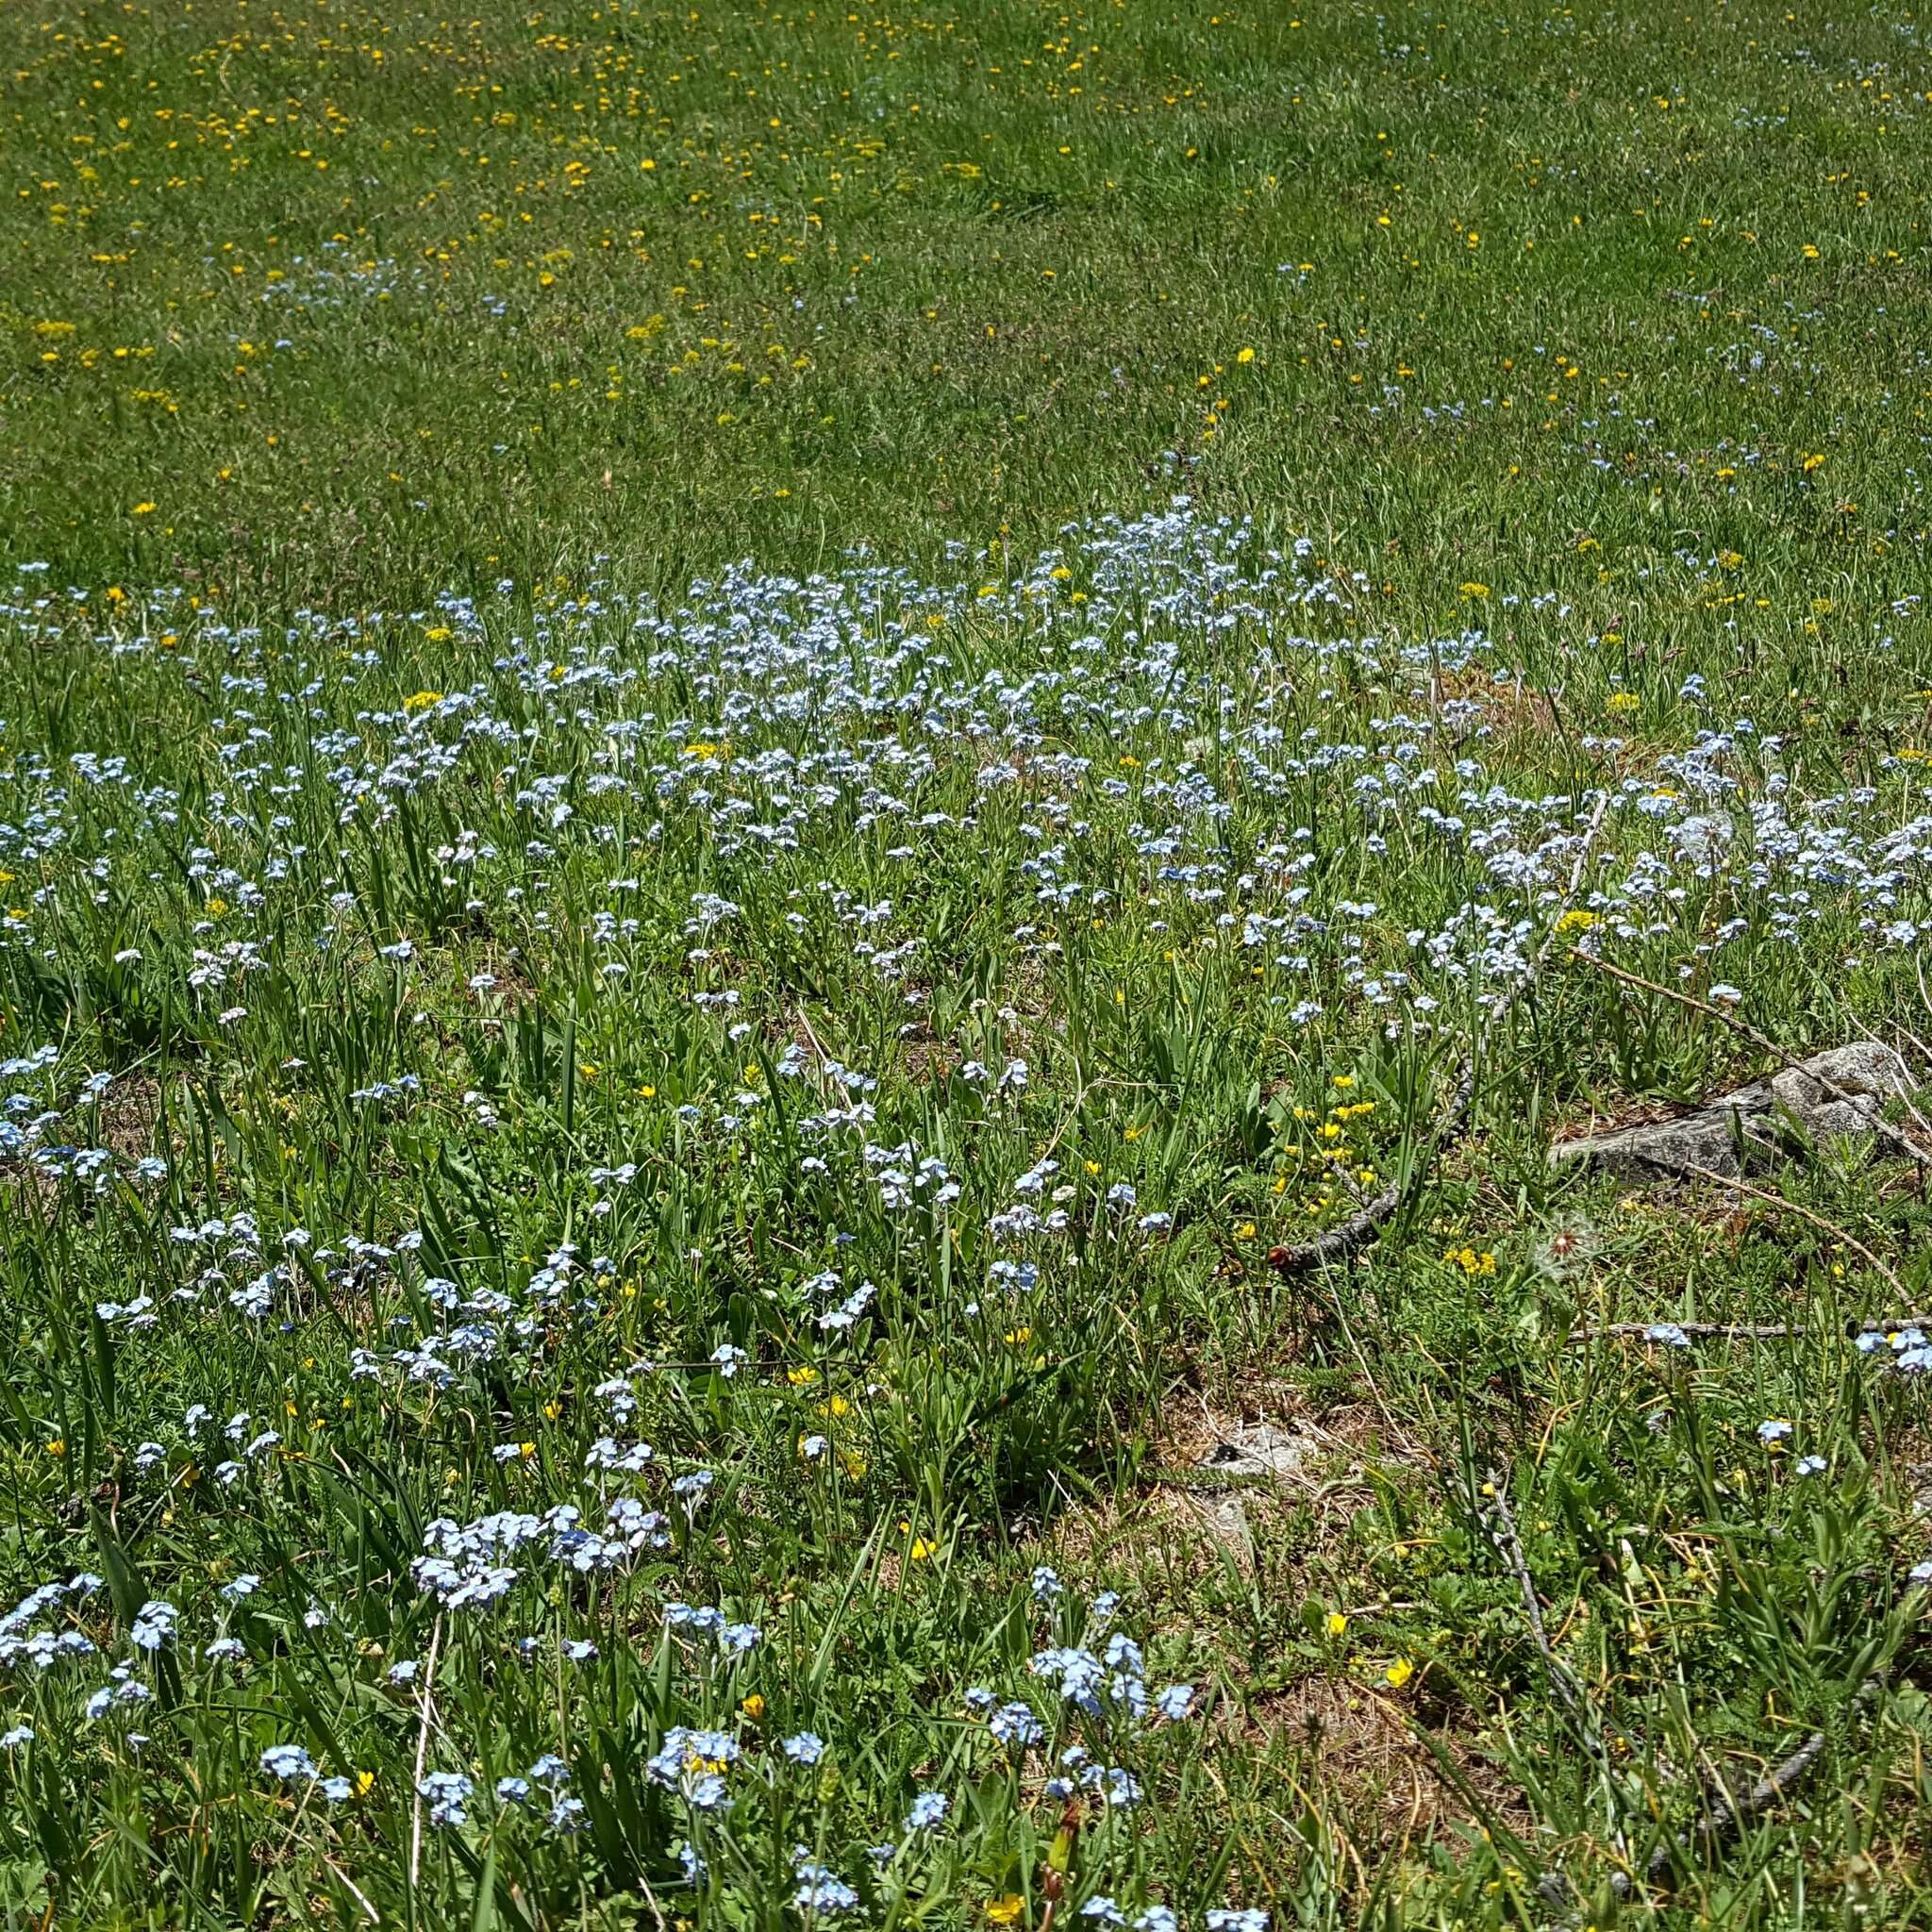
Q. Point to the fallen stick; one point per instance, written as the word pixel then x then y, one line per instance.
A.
pixel 1349 1237
pixel 1728 1815
pixel 1728 1331
pixel 1501 1527
pixel 1724 1814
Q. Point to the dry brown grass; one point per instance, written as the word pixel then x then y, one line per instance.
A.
pixel 1188 1519
pixel 131 1112
pixel 1363 1754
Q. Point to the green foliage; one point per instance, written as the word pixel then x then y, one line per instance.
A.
pixel 650 1095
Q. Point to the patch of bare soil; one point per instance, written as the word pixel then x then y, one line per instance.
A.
pixel 1511 711
pixel 1223 1486
pixel 928 1062
pixel 1390 1780
pixel 1265 1496
pixel 131 1112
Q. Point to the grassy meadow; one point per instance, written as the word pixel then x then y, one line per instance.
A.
pixel 743 750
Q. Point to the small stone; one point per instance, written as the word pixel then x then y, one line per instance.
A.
pixel 1709 1137
pixel 1258 1450
pixel 1251 1455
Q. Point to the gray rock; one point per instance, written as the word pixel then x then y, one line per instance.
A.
pixel 1226 1517
pixel 1257 1449
pixel 1865 1074
pixel 1711 1137
pixel 1708 1138
pixel 1247 1457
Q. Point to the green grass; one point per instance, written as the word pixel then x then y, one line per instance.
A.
pixel 997 268
pixel 766 732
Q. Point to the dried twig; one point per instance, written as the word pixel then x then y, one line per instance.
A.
pixel 1790 1207
pixel 354 1891
pixel 428 1712
pixel 1728 1815
pixel 1349 1237
pixel 651 1901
